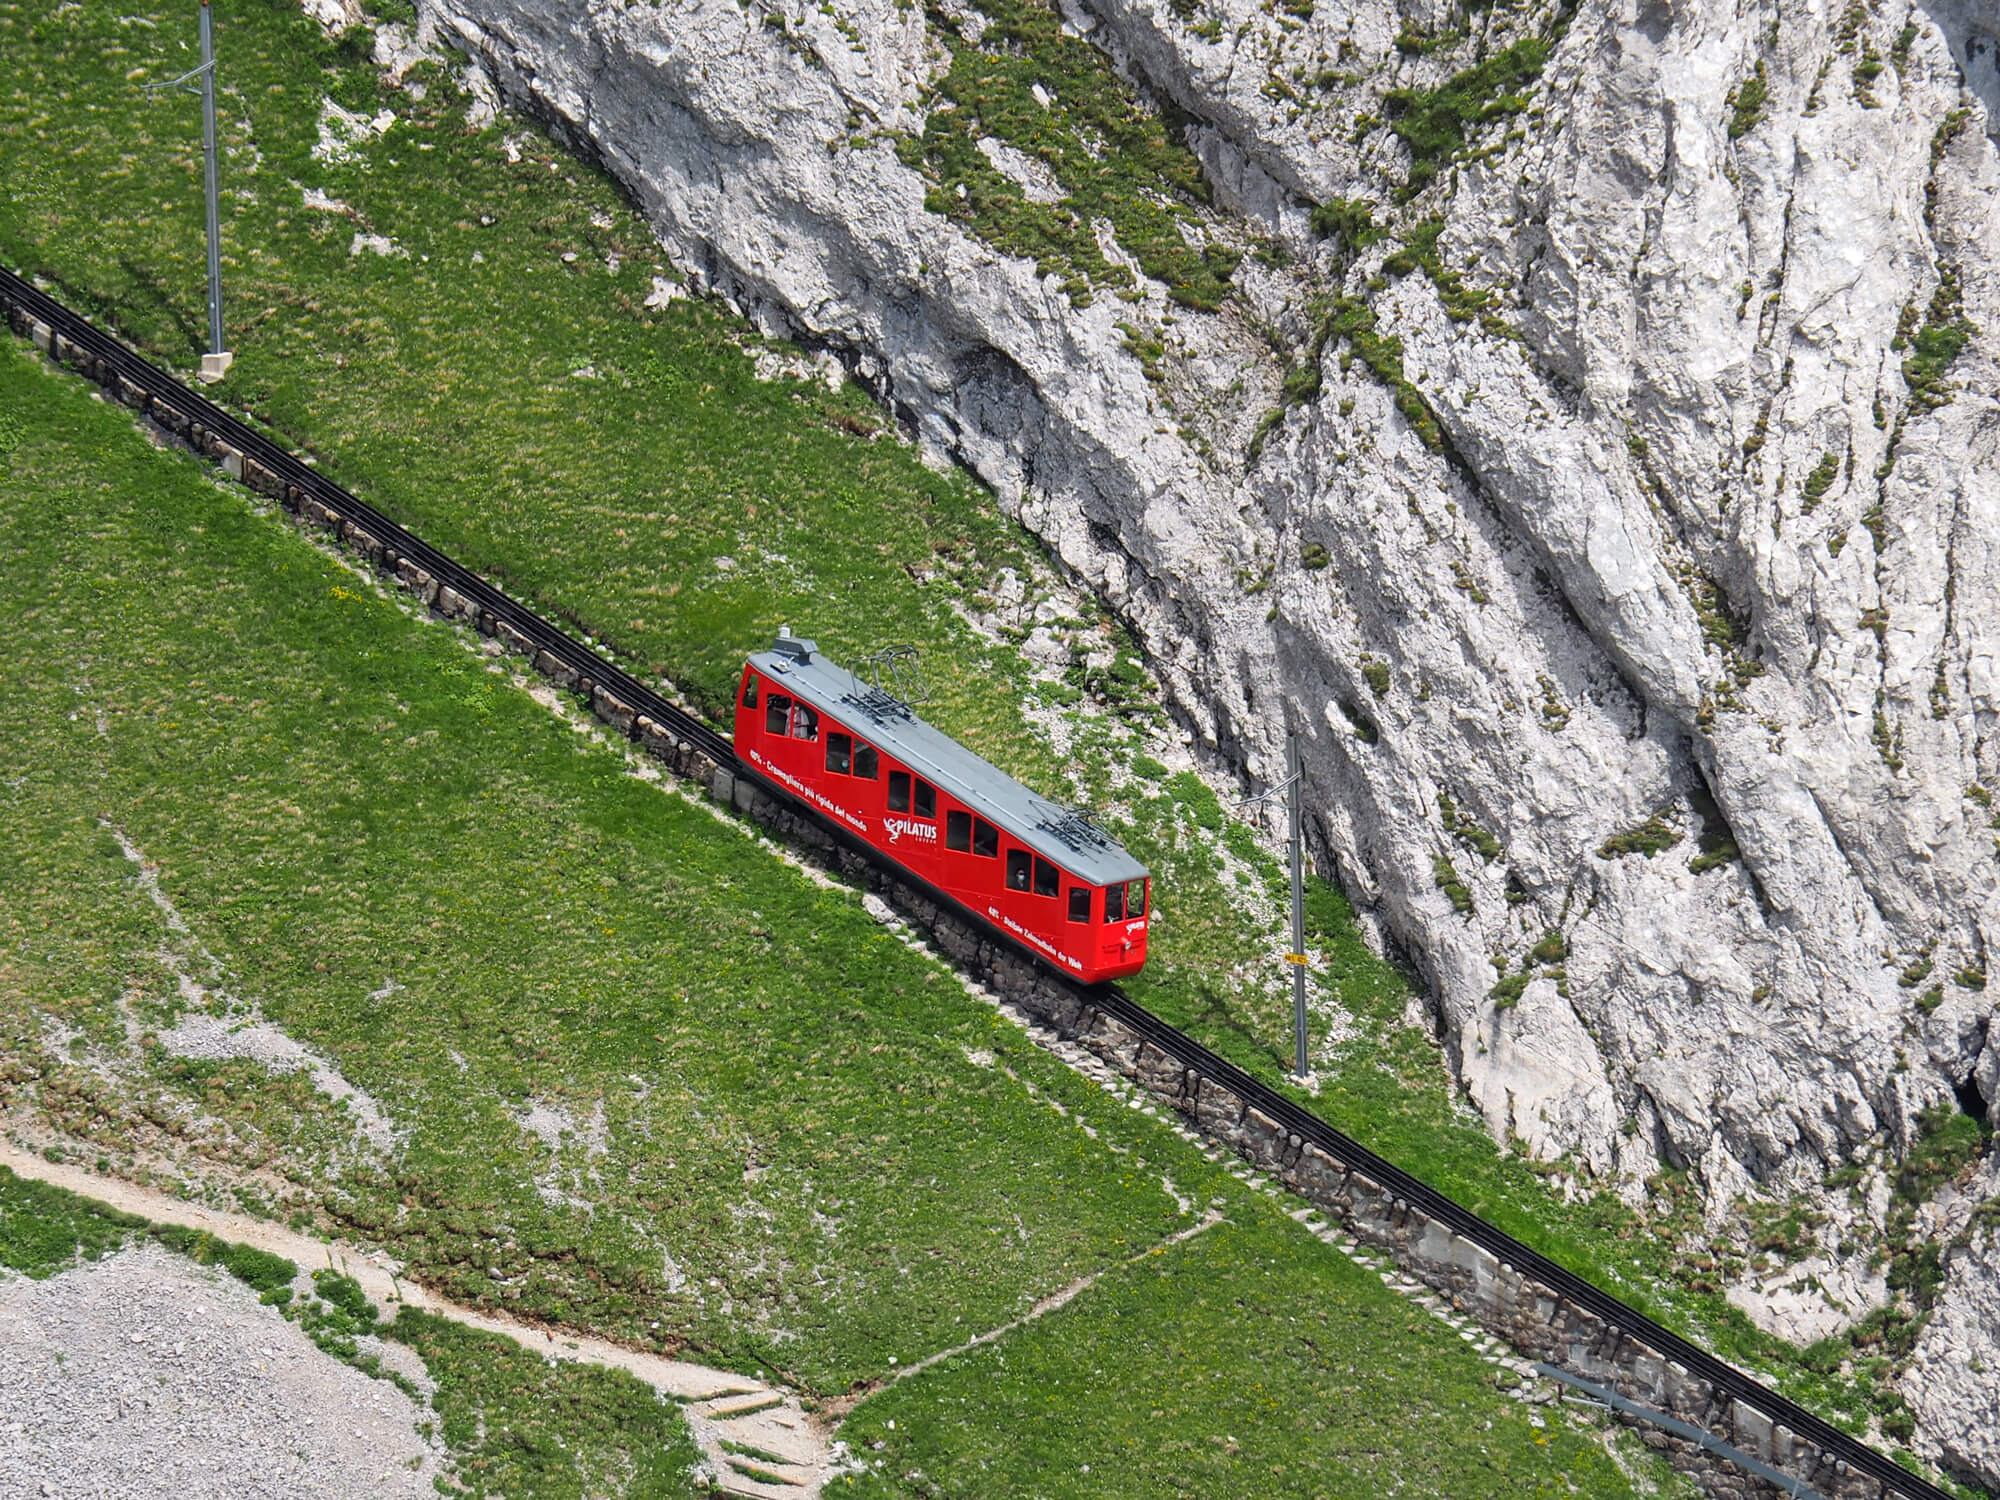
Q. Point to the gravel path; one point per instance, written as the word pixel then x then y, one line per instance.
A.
pixel 723 1407
pixel 144 1375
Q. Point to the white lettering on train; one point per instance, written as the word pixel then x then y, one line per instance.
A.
pixel 897 827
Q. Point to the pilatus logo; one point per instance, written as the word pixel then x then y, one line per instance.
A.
pixel 897 827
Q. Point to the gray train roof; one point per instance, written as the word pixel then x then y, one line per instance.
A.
pixel 1050 829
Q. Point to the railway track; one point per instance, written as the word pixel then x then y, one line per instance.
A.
pixel 264 464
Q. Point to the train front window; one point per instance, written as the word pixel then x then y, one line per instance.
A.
pixel 777 713
pixel 864 762
pixel 1018 863
pixel 1114 903
pixel 899 791
pixel 805 723
pixel 958 831
pixel 926 799
pixel 1079 903
pixel 750 690
pixel 839 752
pixel 985 839
pixel 1135 899
pixel 1048 880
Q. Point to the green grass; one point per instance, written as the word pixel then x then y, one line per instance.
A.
pixel 514 1423
pixel 1340 1380
pixel 790 1108
pixel 520 1425
pixel 44 1230
pixel 1435 124
pixel 1113 157
pixel 606 502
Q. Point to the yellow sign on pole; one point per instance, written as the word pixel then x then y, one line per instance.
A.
pixel 1297 958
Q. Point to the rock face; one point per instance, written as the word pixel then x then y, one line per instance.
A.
pixel 1950 1386
pixel 1605 480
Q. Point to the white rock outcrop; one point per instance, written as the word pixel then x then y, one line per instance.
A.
pixel 1663 547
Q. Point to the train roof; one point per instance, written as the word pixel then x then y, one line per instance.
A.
pixel 1056 832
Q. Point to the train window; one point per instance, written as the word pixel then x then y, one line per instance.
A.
pixel 985 838
pixel 1079 903
pixel 777 713
pixel 864 761
pixel 926 799
pixel 750 690
pixel 958 830
pixel 805 723
pixel 1048 880
pixel 1135 899
pixel 899 791
pixel 1114 903
pixel 1018 863
pixel 839 752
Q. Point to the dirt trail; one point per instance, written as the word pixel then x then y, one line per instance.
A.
pixel 726 1411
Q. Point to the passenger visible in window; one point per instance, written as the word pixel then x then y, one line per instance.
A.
pixel 899 791
pixel 958 831
pixel 777 714
pixel 1114 903
pixel 839 752
pixel 1079 903
pixel 1017 869
pixel 864 761
pixel 1048 880
pixel 805 723
pixel 985 839
pixel 926 799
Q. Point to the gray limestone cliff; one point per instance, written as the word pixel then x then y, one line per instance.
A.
pixel 1578 422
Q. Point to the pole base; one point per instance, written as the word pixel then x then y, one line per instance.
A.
pixel 215 366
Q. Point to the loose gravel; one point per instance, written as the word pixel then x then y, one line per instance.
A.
pixel 147 1377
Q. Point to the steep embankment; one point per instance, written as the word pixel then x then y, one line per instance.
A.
pixel 1576 423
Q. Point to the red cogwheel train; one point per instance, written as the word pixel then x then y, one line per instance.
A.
pixel 1042 875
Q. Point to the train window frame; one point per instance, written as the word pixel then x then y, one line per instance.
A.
pixel 805 717
pixel 1114 902
pixel 958 830
pixel 985 839
pixel 749 689
pixel 1136 913
pixel 839 752
pixel 1020 870
pixel 1076 915
pixel 923 799
pixel 777 714
pixel 864 755
pixel 899 790
pixel 1048 879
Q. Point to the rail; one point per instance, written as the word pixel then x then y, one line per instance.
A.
pixel 143 384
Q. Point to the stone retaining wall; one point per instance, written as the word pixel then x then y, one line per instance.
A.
pixel 1534 1319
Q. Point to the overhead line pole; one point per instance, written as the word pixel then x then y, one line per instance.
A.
pixel 215 363
pixel 1290 786
pixel 1298 954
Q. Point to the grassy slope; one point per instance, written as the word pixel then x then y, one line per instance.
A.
pixel 514 1424
pixel 842 1186
pixel 608 500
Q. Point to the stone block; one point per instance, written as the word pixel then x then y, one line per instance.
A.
pixel 1216 1108
pixel 514 641
pixel 416 580
pixel 614 710
pixel 451 603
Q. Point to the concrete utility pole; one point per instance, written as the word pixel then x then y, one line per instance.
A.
pixel 215 363
pixel 1297 957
